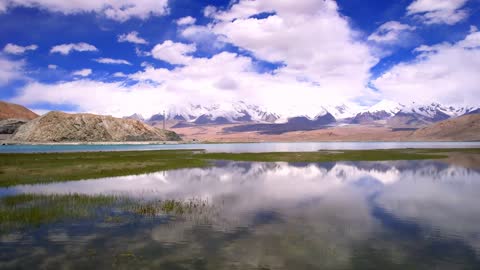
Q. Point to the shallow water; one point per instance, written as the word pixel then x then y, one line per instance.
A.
pixel 239 147
pixel 344 215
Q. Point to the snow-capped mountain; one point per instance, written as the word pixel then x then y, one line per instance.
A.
pixel 344 111
pixel 433 110
pixel 388 106
pixel 242 112
pixel 380 111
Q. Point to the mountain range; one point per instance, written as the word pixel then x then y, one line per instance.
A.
pixel 385 121
pixel 257 118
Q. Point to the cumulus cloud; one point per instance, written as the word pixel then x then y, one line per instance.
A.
pixel 10 70
pixel 119 10
pixel 438 11
pixel 225 77
pixel 202 36
pixel 132 37
pixel 209 11
pixel 66 49
pixel 96 97
pixel 390 32
pixel 112 61
pixel 17 49
pixel 173 52
pixel 52 66
pixel 186 20
pixel 310 38
pixel 445 73
pixel 82 72
pixel 323 61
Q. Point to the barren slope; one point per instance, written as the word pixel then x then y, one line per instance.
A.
pixel 63 127
pixel 463 128
pixel 14 111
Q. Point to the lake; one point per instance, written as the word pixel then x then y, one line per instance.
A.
pixel 247 215
pixel 237 147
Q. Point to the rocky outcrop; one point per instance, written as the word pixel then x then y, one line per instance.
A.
pixel 63 127
pixel 9 126
pixel 14 111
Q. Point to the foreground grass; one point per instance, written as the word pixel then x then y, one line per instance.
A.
pixel 27 210
pixel 52 167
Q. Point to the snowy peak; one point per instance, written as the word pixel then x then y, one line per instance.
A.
pixel 388 106
pixel 242 112
pixel 435 109
pixel 380 111
pixel 343 111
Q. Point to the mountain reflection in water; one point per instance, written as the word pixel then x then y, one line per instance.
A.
pixel 345 215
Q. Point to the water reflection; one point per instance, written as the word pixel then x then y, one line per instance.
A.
pixel 345 215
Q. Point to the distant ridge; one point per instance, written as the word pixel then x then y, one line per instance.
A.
pixel 463 128
pixel 63 127
pixel 15 111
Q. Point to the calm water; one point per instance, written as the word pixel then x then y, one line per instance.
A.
pixel 240 147
pixel 361 215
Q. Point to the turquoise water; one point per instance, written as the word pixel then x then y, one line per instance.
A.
pixel 239 147
pixel 338 215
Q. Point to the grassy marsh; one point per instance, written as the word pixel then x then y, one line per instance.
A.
pixel 53 167
pixel 26 210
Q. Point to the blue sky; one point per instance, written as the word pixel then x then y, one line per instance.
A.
pixel 121 57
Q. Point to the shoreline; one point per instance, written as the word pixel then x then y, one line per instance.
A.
pixel 5 143
pixel 32 168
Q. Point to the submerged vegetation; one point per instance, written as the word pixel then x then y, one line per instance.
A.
pixel 53 167
pixel 26 210
pixel 35 210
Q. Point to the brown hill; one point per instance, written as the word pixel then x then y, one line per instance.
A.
pixel 63 127
pixel 463 128
pixel 14 111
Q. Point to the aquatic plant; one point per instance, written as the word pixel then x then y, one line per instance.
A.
pixel 34 210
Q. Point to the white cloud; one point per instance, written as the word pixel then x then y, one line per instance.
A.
pixel 438 11
pixel 119 75
pixel 132 37
pixel 10 70
pixel 209 11
pixel 389 32
pixel 3 6
pixel 222 78
pixel 52 66
pixel 445 73
pixel 112 61
pixel 473 28
pixel 324 62
pixel 66 49
pixel 202 36
pixel 186 20
pixel 141 53
pixel 119 10
pixel 17 49
pixel 310 37
pixel 173 52
pixel 82 72
pixel 96 97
